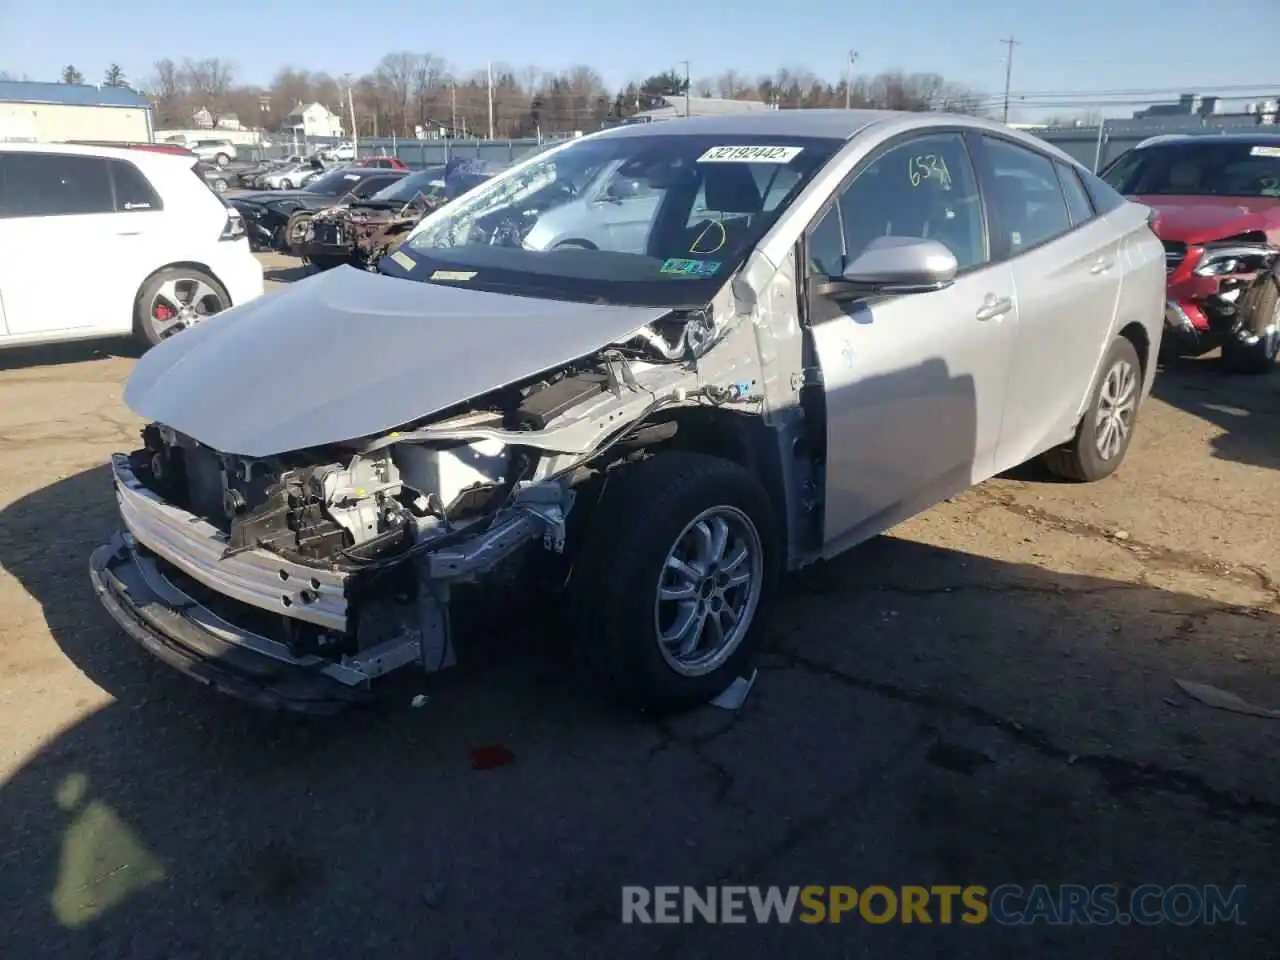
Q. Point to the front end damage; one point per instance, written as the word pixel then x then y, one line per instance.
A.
pixel 360 235
pixel 1215 291
pixel 298 580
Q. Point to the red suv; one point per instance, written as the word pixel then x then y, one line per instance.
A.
pixel 1216 204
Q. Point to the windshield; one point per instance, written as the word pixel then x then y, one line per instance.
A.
pixel 654 219
pixel 1198 169
pixel 428 183
pixel 336 183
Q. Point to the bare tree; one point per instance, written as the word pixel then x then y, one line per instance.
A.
pixel 394 75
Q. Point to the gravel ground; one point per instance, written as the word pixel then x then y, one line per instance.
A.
pixel 984 696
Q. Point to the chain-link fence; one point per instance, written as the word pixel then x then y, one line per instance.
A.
pixel 415 154
pixel 1093 146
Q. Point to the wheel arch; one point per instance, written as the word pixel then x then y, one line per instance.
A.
pixel 181 265
pixel 741 438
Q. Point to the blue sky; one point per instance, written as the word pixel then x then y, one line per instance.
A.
pixel 1138 45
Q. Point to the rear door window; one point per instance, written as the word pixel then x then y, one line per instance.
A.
pixel 133 190
pixel 1027 195
pixel 56 185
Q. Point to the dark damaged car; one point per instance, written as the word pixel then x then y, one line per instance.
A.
pixel 361 232
pixel 1216 204
pixel 267 213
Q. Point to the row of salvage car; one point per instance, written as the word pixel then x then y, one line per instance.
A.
pixel 354 214
pixel 646 373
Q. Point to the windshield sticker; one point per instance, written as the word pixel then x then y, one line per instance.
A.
pixel 403 259
pixel 690 268
pixel 453 274
pixel 929 167
pixel 751 155
pixel 1265 152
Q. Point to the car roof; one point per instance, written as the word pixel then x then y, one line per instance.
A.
pixel 831 124
pixel 367 171
pixel 1166 139
pixel 131 154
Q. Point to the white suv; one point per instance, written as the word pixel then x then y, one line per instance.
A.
pixel 101 241
pixel 219 152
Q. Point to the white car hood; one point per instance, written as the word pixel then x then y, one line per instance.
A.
pixel 348 354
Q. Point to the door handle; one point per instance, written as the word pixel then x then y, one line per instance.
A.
pixel 993 306
pixel 1102 265
pixel 129 233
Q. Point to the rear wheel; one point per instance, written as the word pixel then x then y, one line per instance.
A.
pixel 222 159
pixel 173 300
pixel 675 572
pixel 1254 345
pixel 1102 439
pixel 286 184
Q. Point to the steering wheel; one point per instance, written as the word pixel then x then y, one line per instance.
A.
pixel 507 234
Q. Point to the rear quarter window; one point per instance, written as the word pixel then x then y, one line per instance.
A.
pixel 132 188
pixel 1105 198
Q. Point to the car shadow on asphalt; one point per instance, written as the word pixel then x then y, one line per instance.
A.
pixel 171 819
pixel 1245 407
pixel 63 354
pixel 289 274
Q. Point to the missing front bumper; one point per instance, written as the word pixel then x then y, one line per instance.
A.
pixel 192 639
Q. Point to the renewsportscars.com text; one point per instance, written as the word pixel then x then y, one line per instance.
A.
pixel 1005 905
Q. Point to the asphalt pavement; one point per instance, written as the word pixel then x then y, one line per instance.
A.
pixel 985 696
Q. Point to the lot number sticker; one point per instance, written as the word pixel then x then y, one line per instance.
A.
pixel 751 154
pixel 1265 152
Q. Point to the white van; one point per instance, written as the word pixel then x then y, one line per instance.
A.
pixel 102 241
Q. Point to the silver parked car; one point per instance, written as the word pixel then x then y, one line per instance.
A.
pixel 831 321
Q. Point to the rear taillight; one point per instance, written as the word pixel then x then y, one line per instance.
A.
pixel 1153 218
pixel 234 229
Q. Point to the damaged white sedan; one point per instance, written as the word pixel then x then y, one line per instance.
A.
pixel 807 326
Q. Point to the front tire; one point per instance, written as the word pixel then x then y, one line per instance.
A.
pixel 1103 437
pixel 286 184
pixel 1259 311
pixel 222 159
pixel 680 540
pixel 295 230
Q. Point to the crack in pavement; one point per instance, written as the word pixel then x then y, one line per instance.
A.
pixel 1245 574
pixel 1120 774
pixel 800 831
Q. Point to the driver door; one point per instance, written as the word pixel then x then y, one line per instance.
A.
pixel 914 385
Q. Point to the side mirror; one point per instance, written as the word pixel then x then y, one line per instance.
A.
pixel 894 266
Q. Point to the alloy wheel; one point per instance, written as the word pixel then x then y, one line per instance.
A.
pixel 1117 403
pixel 180 303
pixel 708 591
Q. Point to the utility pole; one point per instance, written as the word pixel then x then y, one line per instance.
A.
pixel 453 105
pixel 1008 73
pixel 490 99
pixel 686 87
pixel 848 78
pixel 355 132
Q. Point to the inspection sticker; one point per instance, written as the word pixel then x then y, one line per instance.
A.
pixel 1265 152
pixel 690 268
pixel 453 275
pixel 751 154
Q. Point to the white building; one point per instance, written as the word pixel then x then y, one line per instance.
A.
pixel 50 112
pixel 314 120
